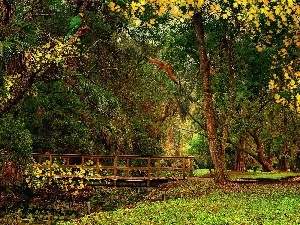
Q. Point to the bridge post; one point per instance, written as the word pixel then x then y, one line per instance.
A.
pixel 158 168
pixel 191 166
pixel 50 165
pixel 82 161
pixel 149 171
pixel 183 169
pixel 40 159
pixel 115 170
pixel 127 167
pixel 97 166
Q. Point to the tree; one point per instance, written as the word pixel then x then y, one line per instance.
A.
pixel 216 150
pixel 248 12
pixel 82 96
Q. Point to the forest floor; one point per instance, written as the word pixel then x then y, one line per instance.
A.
pixel 255 197
pixel 201 201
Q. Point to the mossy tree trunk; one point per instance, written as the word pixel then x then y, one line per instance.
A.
pixel 240 157
pixel 215 147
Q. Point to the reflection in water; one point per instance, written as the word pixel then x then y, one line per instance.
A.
pixel 21 204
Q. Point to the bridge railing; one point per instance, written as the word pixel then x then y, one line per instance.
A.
pixel 113 167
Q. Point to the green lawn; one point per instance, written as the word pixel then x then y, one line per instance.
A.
pixel 259 175
pixel 249 175
pixel 203 202
pixel 201 173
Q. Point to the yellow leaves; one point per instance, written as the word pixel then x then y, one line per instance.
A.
pixel 277 10
pixel 47 45
pixel 215 9
pixel 48 56
pixel 56 52
pixel 137 22
pixel 199 4
pixel 288 86
pixel 176 12
pixel 272 85
pixel 277 97
pixel 180 9
pixel 226 15
pixel 283 52
pixel 283 18
pixel 290 3
pixel 114 7
pixel 266 2
pixel 271 16
pixel 292 85
pixel 260 47
pixel 289 11
pixel 298 98
pixel 143 2
pixel 286 76
pixel 287 42
pixel 8 83
pixel 152 21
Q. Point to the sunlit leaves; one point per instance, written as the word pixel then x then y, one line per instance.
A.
pixel 286 89
pixel 176 9
pixel 9 82
pixel 56 52
pixel 48 172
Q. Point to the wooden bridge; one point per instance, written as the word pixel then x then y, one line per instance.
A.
pixel 115 170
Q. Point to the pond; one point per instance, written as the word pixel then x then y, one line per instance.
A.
pixel 21 205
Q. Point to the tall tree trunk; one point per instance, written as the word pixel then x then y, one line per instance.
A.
pixel 229 51
pixel 216 151
pixel 283 160
pixel 240 157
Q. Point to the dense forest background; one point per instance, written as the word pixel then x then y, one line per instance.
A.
pixel 87 87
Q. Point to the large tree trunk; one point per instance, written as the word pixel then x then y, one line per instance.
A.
pixel 216 151
pixel 240 157
pixel 226 124
pixel 283 159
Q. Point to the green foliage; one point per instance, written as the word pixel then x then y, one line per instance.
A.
pixel 198 147
pixel 15 140
pixel 56 120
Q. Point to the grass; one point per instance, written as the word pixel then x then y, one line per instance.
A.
pixel 249 175
pixel 203 202
pixel 201 173
pixel 265 175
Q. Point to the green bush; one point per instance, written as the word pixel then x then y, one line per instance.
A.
pixel 15 140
